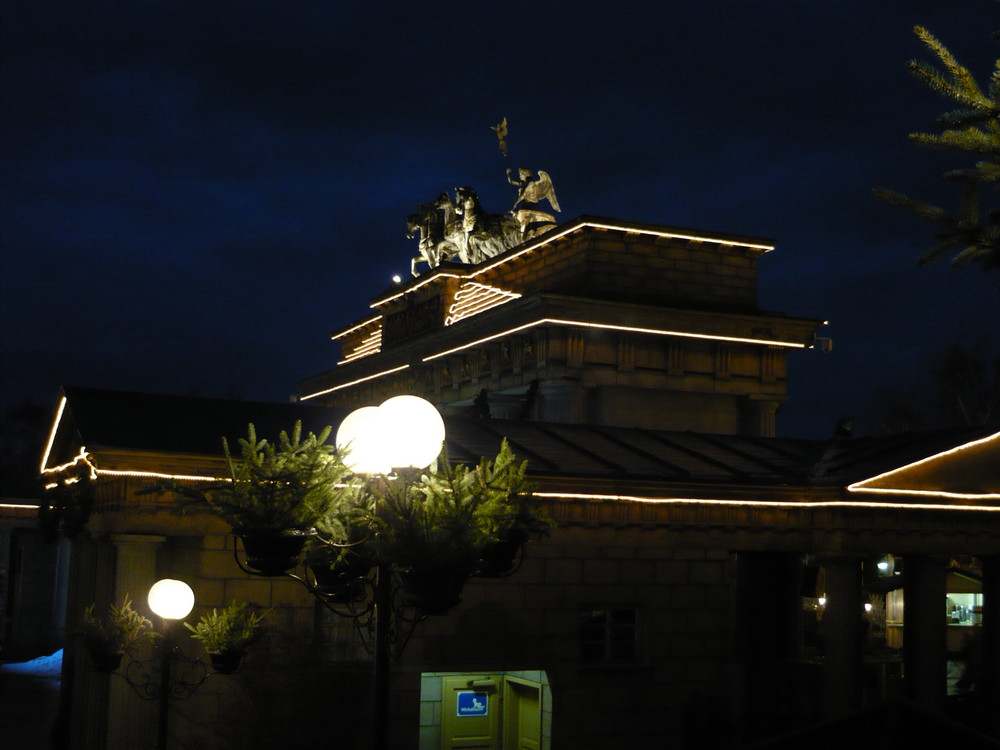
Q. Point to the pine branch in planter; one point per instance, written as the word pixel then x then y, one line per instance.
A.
pixel 287 484
pixel 452 513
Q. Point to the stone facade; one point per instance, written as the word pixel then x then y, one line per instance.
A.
pixel 677 603
pixel 595 323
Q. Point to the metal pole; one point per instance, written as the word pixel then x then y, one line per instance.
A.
pixel 164 685
pixel 383 613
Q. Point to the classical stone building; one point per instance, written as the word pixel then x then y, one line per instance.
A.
pixel 598 322
pixel 707 584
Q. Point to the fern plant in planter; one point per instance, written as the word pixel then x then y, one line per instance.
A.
pixel 108 637
pixel 275 494
pixel 225 635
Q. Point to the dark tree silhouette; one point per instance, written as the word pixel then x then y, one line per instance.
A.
pixel 972 234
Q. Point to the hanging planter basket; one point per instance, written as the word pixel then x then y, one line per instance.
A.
pixel 344 581
pixel 228 661
pixel 103 657
pixel 432 590
pixel 272 552
pixel 502 557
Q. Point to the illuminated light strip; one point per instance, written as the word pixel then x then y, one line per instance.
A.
pixel 609 327
pixel 474 298
pixel 428 280
pixel 631 230
pixel 95 472
pixel 929 493
pixel 52 434
pixel 158 475
pixel 484 340
pixel 356 327
pixel 860 486
pixel 354 382
pixel 549 238
pixel 764 503
pixel 527 249
pixel 371 345
pixel 82 456
pixel 18 506
pixel 681 236
pixel 482 304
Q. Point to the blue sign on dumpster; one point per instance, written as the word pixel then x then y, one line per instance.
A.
pixel 471 703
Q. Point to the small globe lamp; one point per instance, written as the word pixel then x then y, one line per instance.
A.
pixel 171 599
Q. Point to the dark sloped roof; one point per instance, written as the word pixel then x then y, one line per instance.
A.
pixel 181 424
pixel 190 425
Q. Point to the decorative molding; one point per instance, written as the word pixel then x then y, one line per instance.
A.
pixel 626 353
pixel 473 298
pixel 575 346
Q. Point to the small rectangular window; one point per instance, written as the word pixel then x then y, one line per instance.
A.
pixel 609 633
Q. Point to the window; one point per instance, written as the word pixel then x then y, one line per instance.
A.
pixel 609 633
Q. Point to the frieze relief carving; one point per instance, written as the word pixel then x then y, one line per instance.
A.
pixel 442 375
pixel 411 320
pixel 538 346
pixel 675 358
pixel 506 358
pixel 723 357
pixel 769 365
pixel 574 348
pixel 626 354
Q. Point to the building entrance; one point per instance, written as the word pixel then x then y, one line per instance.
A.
pixel 485 711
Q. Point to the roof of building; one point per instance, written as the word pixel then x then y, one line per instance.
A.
pixel 119 421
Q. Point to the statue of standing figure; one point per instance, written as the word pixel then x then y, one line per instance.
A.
pixel 531 219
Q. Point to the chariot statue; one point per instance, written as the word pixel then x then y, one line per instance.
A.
pixel 462 229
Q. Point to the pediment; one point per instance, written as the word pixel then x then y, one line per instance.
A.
pixel 970 470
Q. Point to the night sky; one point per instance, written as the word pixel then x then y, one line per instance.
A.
pixel 196 192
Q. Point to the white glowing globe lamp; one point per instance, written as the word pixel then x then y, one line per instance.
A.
pixel 358 435
pixel 412 432
pixel 171 599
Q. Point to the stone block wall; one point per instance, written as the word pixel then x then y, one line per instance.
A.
pixel 634 267
pixel 285 692
pixel 532 621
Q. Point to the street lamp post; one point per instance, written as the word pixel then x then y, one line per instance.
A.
pixel 403 434
pixel 171 600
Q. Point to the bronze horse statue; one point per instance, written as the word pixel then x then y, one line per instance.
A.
pixel 486 234
pixel 440 240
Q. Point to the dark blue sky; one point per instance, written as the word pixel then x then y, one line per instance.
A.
pixel 196 192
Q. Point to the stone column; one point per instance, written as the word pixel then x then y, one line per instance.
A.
pixel 842 636
pixel 132 722
pixel 91 580
pixel 924 631
pixel 757 416
pixel 990 668
pixel 768 607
